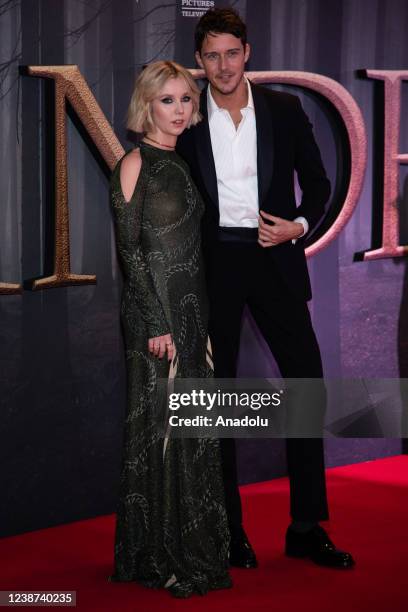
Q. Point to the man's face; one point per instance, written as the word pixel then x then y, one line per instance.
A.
pixel 223 58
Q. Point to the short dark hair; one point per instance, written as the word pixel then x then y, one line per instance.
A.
pixel 220 21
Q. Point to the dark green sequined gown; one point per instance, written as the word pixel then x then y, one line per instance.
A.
pixel 171 519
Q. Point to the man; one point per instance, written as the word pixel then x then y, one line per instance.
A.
pixel 243 156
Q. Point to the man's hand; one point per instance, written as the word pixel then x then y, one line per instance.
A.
pixel 159 345
pixel 281 230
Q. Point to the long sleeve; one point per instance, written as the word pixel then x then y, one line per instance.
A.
pixel 128 222
pixel 312 177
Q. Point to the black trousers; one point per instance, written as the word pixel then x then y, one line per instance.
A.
pixel 240 273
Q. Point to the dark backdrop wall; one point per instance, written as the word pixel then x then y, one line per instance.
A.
pixel 62 377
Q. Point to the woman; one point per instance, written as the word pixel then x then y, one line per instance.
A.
pixel 171 526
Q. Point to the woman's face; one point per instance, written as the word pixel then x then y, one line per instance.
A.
pixel 172 108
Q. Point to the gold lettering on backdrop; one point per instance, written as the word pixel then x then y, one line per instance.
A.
pixel 70 85
pixel 390 246
pixel 10 288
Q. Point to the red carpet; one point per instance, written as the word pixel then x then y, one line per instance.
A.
pixel 369 512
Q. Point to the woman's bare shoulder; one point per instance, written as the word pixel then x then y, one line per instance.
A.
pixel 129 173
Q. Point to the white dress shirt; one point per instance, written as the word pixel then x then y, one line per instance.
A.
pixel 235 159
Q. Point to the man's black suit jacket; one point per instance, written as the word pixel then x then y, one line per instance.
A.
pixel 285 144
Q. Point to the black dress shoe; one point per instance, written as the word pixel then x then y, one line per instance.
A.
pixel 317 545
pixel 241 551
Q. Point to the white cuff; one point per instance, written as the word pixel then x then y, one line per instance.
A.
pixel 305 224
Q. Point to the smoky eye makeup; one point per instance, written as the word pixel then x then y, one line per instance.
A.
pixel 170 99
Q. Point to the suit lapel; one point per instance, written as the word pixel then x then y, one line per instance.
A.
pixel 265 148
pixel 204 151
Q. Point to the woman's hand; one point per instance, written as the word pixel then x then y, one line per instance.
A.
pixel 159 345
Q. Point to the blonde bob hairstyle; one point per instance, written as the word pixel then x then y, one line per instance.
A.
pixel 148 84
